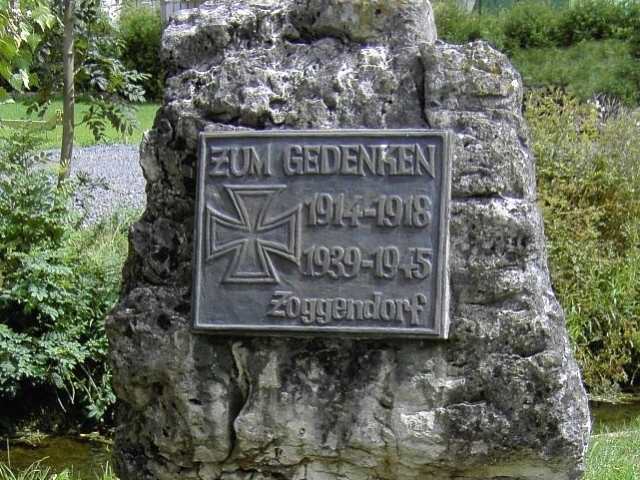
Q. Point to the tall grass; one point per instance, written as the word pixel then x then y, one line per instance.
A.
pixel 589 190
pixel 40 471
pixel 35 471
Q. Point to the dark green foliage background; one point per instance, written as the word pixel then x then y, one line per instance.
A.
pixel 588 48
pixel 140 32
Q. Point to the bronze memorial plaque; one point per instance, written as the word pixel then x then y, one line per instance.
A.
pixel 322 232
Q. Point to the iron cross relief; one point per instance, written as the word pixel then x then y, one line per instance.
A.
pixel 251 237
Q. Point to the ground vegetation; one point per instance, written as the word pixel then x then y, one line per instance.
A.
pixel 586 47
pixel 589 189
pixel 139 30
pixel 57 283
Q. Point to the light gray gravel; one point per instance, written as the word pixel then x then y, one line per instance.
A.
pixel 114 175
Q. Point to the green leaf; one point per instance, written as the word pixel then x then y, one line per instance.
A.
pixel 8 49
pixel 5 72
pixel 25 77
pixel 33 80
pixel 15 80
pixel 34 40
pixel 43 17
pixel 23 61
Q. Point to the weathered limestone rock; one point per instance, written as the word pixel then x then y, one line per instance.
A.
pixel 501 398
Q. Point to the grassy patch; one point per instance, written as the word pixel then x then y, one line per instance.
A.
pixel 83 137
pixel 584 69
pixel 39 471
pixel 615 455
pixel 611 456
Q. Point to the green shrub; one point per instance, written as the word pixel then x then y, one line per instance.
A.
pixel 589 189
pixel 140 31
pixel 540 23
pixel 633 24
pixel 32 212
pixel 594 20
pixel 57 283
pixel 529 24
pixel 583 70
pixel 589 47
pixel 454 25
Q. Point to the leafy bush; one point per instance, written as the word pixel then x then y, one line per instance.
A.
pixel 583 70
pixel 526 24
pixel 455 25
pixel 589 48
pixel 140 31
pixel 633 21
pixel 32 211
pixel 535 23
pixel 530 24
pixel 57 283
pixel 594 20
pixel 21 24
pixel 589 189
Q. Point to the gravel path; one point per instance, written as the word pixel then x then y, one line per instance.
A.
pixel 115 177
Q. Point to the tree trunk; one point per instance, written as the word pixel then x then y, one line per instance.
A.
pixel 68 107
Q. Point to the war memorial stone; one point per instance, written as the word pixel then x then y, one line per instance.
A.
pixel 341 270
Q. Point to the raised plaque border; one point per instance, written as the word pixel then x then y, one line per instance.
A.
pixel 441 320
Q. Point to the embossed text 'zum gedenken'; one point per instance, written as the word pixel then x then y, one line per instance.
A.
pixel 357 160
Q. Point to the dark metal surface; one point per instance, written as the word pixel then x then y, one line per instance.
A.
pixel 322 232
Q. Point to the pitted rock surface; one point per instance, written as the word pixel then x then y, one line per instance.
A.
pixel 500 399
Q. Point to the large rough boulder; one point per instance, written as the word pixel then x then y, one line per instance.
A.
pixel 501 398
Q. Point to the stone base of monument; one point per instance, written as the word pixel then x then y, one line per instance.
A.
pixel 213 386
